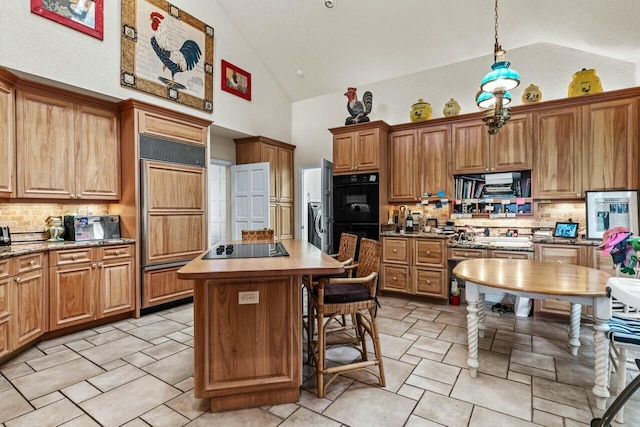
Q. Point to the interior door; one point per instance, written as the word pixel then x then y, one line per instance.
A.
pixel 326 181
pixel 249 198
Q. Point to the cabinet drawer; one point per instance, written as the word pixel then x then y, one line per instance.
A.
pixel 5 265
pixel 395 278
pixel 559 254
pixel 29 262
pixel 70 256
pixel 112 252
pixel 430 283
pixel 395 250
pixel 512 255
pixel 430 252
pixel 461 253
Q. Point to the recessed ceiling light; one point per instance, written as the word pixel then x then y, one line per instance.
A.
pixel 299 73
pixel 329 4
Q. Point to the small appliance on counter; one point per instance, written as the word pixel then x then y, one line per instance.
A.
pixel 80 228
pixel 5 236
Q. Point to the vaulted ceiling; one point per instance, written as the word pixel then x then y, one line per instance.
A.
pixel 364 41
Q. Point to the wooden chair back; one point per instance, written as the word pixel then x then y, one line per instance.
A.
pixel 253 235
pixel 369 261
pixel 347 250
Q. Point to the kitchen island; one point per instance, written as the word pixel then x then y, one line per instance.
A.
pixel 247 325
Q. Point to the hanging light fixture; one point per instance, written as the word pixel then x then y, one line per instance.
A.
pixel 494 94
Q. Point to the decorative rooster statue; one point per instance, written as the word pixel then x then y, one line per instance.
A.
pixel 176 60
pixel 359 110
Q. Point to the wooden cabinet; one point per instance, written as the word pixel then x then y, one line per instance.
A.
pixel 86 284
pixel 419 163
pixel 511 254
pixel 359 148
pixel 6 344
pixel 171 126
pixel 473 150
pixel 415 266
pixel 7 137
pixel 281 193
pixel 67 150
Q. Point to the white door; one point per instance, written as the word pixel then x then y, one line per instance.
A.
pixel 217 201
pixel 326 181
pixel 249 198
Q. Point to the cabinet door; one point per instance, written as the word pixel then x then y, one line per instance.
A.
pixel 433 161
pixel 285 220
pixel 511 148
pixel 403 153
pixel 343 152
pixel 7 140
pixel 29 314
pixel 557 161
pixel 270 154
pixel 6 345
pixel 97 163
pixel 116 287
pixel 395 278
pixel 162 286
pixel 430 282
pixel 72 294
pixel 610 138
pixel 430 253
pixel 367 151
pixel 395 249
pixel 470 147
pixel 560 254
pixel 285 175
pixel 45 155
pixel 273 219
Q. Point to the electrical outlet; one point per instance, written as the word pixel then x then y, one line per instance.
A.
pixel 249 297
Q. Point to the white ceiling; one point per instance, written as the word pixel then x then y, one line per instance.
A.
pixel 365 41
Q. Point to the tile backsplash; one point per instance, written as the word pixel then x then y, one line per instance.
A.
pixel 31 217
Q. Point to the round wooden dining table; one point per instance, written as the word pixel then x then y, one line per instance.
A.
pixel 540 280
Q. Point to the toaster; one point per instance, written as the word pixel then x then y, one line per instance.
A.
pixel 5 236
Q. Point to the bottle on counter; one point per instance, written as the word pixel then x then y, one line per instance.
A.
pixel 409 222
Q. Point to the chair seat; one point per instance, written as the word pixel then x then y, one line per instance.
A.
pixel 624 330
pixel 344 293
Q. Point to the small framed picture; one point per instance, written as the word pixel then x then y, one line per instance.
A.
pixel 235 80
pixel 568 230
pixel 86 16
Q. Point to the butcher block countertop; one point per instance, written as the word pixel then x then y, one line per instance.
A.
pixel 304 258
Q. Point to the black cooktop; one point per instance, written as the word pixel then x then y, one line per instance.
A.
pixel 247 250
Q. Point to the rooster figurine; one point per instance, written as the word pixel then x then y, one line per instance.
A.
pixel 176 60
pixel 358 109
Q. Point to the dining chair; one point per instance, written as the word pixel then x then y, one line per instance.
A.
pixel 355 296
pixel 255 235
pixel 624 331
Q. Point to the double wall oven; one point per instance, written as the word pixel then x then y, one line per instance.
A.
pixel 173 216
pixel 356 200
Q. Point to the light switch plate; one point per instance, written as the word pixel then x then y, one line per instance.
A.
pixel 249 297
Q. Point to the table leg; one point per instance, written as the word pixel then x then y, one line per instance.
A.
pixel 481 316
pixel 472 328
pixel 601 344
pixel 574 340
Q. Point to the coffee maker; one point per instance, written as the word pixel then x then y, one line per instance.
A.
pixel 5 236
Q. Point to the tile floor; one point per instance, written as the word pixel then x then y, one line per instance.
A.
pixel 139 372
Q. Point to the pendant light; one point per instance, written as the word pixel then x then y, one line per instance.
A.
pixel 495 86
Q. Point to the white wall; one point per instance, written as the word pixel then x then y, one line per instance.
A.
pixel 548 66
pixel 40 47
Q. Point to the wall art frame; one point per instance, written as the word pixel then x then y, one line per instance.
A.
pixel 177 64
pixel 86 16
pixel 611 208
pixel 235 80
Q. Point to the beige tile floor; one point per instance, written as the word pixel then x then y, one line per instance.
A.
pixel 139 372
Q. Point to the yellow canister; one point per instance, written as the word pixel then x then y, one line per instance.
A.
pixel 451 108
pixel 420 111
pixel 531 94
pixel 584 82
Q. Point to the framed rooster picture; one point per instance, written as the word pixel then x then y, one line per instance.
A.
pixel 166 52
pixel 235 80
pixel 86 16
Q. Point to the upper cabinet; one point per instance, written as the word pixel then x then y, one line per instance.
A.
pixel 359 148
pixel 474 151
pixel 280 157
pixel 68 149
pixel 7 136
pixel 419 163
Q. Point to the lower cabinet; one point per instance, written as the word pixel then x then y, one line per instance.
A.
pixel 90 283
pixel 415 266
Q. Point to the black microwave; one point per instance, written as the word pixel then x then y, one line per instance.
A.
pixel 91 227
pixel 356 198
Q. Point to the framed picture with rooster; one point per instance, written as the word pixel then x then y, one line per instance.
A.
pixel 86 16
pixel 235 80
pixel 166 52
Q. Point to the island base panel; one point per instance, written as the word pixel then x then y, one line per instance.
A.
pixel 255 399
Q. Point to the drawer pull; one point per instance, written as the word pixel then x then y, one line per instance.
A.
pixel 428 282
pixel 100 265
pixel 33 262
pixel 18 279
pixel 394 278
pixel 74 257
pixel 395 250
pixel 466 255
pixel 428 252
pixel 510 257
pixel 559 262
pixel 117 251
pixel 94 265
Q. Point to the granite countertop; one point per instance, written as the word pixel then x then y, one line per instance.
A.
pixel 495 247
pixel 17 249
pixel 562 241
pixel 416 234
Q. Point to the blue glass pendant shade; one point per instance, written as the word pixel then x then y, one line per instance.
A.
pixel 500 76
pixel 488 99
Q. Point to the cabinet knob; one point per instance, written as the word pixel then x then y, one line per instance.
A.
pixel 559 262
pixel 466 255
pixel 486 169
pixel 395 250
pixel 94 265
pixel 73 196
pixel 510 257
pixel 117 251
pixel 100 265
pixel 493 169
pixel 355 168
pixel 18 279
pixel 74 257
pixel 578 195
pixel 428 282
pixel 428 252
pixel 79 196
pixel 33 262
pixel 394 278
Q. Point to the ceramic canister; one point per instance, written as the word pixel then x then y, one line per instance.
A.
pixel 420 111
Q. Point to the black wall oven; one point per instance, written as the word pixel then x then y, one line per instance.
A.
pixel 356 201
